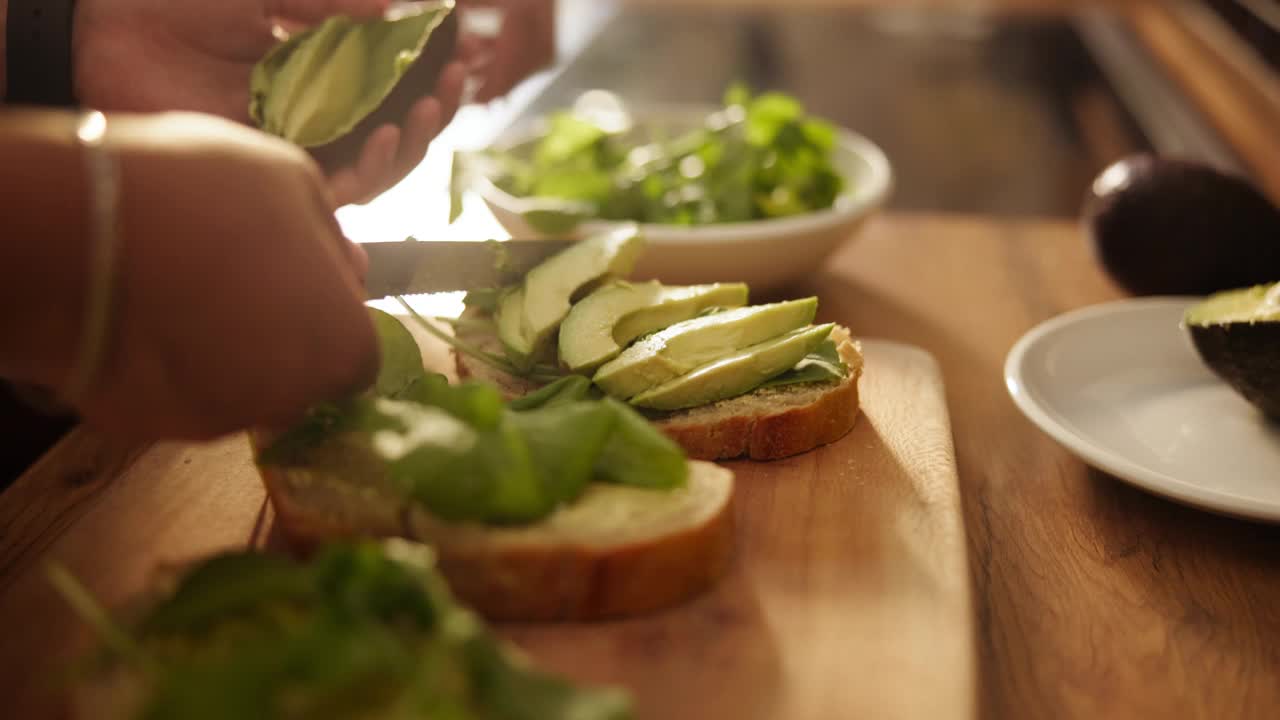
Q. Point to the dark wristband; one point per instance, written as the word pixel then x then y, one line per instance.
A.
pixel 38 52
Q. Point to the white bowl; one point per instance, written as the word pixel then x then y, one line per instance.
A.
pixel 765 254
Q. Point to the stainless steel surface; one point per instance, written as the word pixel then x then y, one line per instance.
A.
pixel 414 266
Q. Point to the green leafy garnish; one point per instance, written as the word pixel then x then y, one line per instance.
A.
pixel 365 630
pixel 401 360
pixel 456 175
pixel 499 362
pixel 466 455
pixel 759 157
pixel 637 454
pixel 570 388
pixel 821 365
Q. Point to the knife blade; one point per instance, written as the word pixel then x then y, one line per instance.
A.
pixel 411 266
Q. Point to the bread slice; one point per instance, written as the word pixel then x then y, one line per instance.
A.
pixel 767 424
pixel 617 551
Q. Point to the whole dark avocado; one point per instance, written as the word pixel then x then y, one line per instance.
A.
pixel 1165 226
pixel 418 82
pixel 1237 334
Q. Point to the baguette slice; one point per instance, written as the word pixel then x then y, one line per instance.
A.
pixel 767 424
pixel 617 551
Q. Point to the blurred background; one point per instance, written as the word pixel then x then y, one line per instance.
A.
pixel 1003 107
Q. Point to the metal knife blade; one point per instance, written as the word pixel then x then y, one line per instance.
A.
pixel 413 266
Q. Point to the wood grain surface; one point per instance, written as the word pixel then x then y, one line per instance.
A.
pixel 843 601
pixel 850 563
pixel 1094 600
pixel 1052 6
pixel 1090 599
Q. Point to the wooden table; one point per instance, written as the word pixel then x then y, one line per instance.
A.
pixel 1092 600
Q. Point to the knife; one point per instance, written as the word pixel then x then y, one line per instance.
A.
pixel 411 266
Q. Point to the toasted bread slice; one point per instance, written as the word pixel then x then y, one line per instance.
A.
pixel 767 424
pixel 617 551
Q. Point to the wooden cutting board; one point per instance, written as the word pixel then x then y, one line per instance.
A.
pixel 848 596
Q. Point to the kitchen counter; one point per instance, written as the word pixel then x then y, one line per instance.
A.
pixel 1090 599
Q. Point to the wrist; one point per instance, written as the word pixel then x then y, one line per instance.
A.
pixel 44 260
pixel 103 177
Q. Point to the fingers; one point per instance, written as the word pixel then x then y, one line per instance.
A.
pixel 525 44
pixel 377 163
pixel 313 11
pixel 422 125
pixel 472 49
pixel 344 187
pixel 448 91
pixel 368 177
pixel 359 260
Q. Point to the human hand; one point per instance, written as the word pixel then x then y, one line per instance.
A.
pixel 156 55
pixel 214 330
pixel 525 44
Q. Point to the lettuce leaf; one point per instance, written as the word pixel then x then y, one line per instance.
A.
pixel 757 157
pixel 822 365
pixel 363 631
pixel 467 456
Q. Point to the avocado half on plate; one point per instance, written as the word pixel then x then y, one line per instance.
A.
pixel 1237 333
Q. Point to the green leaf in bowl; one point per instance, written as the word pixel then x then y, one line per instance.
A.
pixel 555 217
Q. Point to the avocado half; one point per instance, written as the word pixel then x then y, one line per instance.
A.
pixel 1237 333
pixel 418 82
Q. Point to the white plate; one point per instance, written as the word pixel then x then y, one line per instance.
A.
pixel 1121 386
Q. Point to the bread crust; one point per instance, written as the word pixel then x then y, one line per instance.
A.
pixel 765 425
pixel 554 580
pixel 771 435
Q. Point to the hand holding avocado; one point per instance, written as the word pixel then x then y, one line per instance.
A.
pixel 154 55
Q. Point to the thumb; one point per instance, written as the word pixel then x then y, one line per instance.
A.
pixel 313 11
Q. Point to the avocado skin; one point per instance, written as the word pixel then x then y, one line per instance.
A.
pixel 1170 226
pixel 418 82
pixel 1246 356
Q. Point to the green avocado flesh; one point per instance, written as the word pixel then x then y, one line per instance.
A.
pixel 1237 334
pixel 600 325
pixel 736 374
pixel 362 631
pixel 548 289
pixel 687 345
pixel 510 321
pixel 1260 303
pixel 317 86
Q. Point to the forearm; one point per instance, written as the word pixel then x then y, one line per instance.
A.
pixel 43 245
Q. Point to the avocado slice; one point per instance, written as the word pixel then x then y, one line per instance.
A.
pixel 1237 334
pixel 548 289
pixel 680 348
pixel 509 317
pixel 736 374
pixel 601 324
